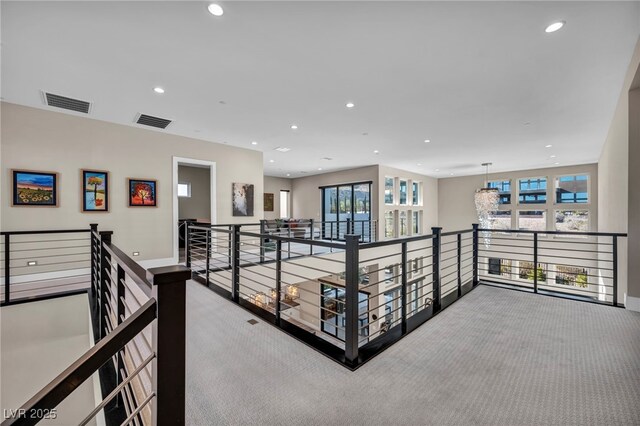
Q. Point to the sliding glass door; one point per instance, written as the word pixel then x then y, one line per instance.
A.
pixel 346 206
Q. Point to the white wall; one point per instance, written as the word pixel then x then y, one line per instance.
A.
pixel 274 185
pixel 37 139
pixel 198 205
pixel 456 208
pixel 307 194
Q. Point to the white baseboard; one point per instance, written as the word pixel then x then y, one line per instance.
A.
pixel 632 303
pixel 155 263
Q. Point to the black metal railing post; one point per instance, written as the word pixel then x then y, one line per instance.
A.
pixel 535 262
pixel 105 266
pixel 7 268
pixel 169 341
pixel 278 280
pixel 614 249
pixel 311 236
pixel 435 250
pixel 475 254
pixel 263 231
pixel 235 263
pixel 187 247
pixel 459 265
pixel 347 230
pixel 120 314
pixel 351 294
pixel 94 261
pixel 208 253
pixel 403 289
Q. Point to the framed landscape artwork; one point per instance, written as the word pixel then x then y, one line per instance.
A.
pixel 143 192
pixel 31 188
pixel 268 202
pixel 242 199
pixel 95 191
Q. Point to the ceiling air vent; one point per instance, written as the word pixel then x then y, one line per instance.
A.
pixel 67 103
pixel 149 120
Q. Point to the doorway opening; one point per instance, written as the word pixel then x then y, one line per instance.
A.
pixel 346 204
pixel 193 199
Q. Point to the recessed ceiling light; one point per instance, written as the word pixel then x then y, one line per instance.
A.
pixel 350 104
pixel 427 140
pixel 215 9
pixel 548 146
pixel 288 174
pixel 159 90
pixel 319 168
pixel 437 170
pixel 294 126
pixel 254 143
pixel 282 149
pixel 419 164
pixel 553 156
pixel 556 163
pixel 554 27
pixel 272 161
pixel 376 152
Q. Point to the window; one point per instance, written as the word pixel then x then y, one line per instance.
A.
pixel 332 308
pixel 388 190
pixel 532 220
pixel 532 190
pixel 184 190
pixel 572 220
pixel 389 224
pixel 501 219
pixel 284 204
pixel 415 193
pixel 403 191
pixel 504 189
pixel 572 276
pixel 572 189
pixel 415 222
pixel 349 202
pixel 501 267
pixel 403 224
pixel 525 271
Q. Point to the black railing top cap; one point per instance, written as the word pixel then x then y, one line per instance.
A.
pixel 168 274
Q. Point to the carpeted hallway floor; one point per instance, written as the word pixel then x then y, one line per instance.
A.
pixel 496 357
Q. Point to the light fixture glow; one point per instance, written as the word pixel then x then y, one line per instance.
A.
pixel 487 201
pixel 556 163
pixel 419 164
pixel 254 143
pixel 272 161
pixel 553 156
pixel 437 170
pixel 319 168
pixel 294 126
pixel 554 27
pixel 158 89
pixel 288 174
pixel 548 146
pixel 350 104
pixel 376 152
pixel 427 140
pixel 215 9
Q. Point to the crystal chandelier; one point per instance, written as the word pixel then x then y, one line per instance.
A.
pixel 487 201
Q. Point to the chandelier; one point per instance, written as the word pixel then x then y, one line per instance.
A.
pixel 487 201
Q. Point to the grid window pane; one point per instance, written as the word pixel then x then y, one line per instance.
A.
pixel 501 219
pixel 416 193
pixel 403 192
pixel 532 190
pixel 532 220
pixel 504 189
pixel 572 220
pixel 389 224
pixel 572 189
pixel 388 190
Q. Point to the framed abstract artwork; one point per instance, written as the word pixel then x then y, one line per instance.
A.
pixel 242 199
pixel 95 191
pixel 143 192
pixel 268 202
pixel 32 188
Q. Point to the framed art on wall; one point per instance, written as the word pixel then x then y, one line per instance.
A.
pixel 32 188
pixel 268 202
pixel 242 199
pixel 95 191
pixel 143 192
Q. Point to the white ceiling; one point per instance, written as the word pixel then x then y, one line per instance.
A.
pixel 482 81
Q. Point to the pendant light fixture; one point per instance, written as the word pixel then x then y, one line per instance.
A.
pixel 487 201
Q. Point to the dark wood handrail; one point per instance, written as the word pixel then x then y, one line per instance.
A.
pixel 46 231
pixel 70 379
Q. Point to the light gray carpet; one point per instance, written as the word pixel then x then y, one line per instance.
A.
pixel 496 357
